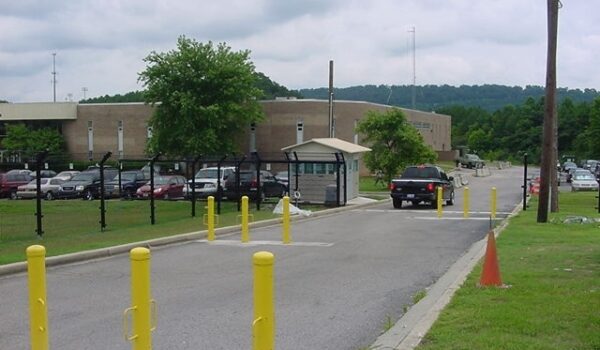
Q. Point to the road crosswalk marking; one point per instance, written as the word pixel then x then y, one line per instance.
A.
pixel 259 243
pixel 429 211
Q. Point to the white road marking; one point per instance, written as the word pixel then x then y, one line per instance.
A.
pixel 448 218
pixel 237 243
pixel 429 211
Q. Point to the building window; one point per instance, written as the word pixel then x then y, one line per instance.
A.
pixel 253 137
pixel 299 131
pixel 90 128
pixel 120 138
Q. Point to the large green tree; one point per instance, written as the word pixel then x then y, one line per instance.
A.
pixel 205 96
pixel 394 143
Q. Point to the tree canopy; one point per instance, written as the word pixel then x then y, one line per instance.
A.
pixel 20 138
pixel 394 143
pixel 205 96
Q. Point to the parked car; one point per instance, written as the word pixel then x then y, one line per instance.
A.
pixel 470 161
pixel 19 171
pixel 590 164
pixel 248 186
pixel 165 187
pixel 206 179
pixel 568 165
pixel 283 178
pixel 44 174
pixel 10 182
pixel 584 180
pixel 49 188
pixel 66 175
pixel 130 182
pixel 86 184
pixel 570 173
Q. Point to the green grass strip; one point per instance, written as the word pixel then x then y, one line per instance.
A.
pixel 554 298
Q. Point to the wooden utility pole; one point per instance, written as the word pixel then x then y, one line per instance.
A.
pixel 548 155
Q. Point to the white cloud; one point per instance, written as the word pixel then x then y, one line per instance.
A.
pixel 100 45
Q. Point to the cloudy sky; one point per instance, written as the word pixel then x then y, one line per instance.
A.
pixel 100 45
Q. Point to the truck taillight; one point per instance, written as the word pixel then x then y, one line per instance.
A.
pixel 430 187
pixel 392 186
pixel 254 183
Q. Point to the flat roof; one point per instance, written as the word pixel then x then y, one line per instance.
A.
pixel 38 111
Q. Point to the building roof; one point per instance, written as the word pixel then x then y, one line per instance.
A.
pixel 334 143
pixel 38 111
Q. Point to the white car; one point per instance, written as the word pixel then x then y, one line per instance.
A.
pixel 66 175
pixel 584 181
pixel 48 187
pixel 206 180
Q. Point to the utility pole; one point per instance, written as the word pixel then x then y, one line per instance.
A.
pixel 54 75
pixel 548 156
pixel 414 66
pixel 85 90
pixel 331 118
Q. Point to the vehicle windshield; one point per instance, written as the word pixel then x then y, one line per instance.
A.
pixel 161 180
pixel 43 181
pixel 84 177
pixel 584 176
pixel 420 173
pixel 569 165
pixel 473 157
pixel 207 173
pixel 126 177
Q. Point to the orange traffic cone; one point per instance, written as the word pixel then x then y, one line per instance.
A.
pixel 490 275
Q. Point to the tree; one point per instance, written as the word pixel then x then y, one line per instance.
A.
pixel 394 143
pixel 205 96
pixel 20 138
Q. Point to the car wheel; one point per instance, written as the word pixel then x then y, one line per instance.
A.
pixel 13 195
pixel 434 204
pixel 415 203
pixel 89 196
pixel 451 200
pixel 49 196
pixel 397 203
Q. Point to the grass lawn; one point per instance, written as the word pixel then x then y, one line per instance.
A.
pixel 73 225
pixel 554 301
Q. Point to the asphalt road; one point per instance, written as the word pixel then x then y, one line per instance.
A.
pixel 344 277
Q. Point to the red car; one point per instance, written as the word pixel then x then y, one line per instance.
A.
pixel 165 187
pixel 10 181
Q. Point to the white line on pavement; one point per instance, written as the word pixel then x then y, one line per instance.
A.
pixel 428 211
pixel 259 243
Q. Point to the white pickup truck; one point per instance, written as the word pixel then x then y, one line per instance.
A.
pixel 206 181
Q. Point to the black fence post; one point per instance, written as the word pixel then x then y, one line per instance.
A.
pixel 219 185
pixel 152 216
pixel 38 197
pixel 525 182
pixel 257 164
pixel 120 169
pixel 238 164
pixel 102 206
pixel 193 187
pixel 296 175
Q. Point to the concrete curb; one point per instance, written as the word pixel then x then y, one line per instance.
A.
pixel 410 329
pixel 19 267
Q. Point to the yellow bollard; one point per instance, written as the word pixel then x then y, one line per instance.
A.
pixel 245 236
pixel 143 315
pixel 493 214
pixel 211 218
pixel 466 202
pixel 439 201
pixel 286 220
pixel 263 326
pixel 38 309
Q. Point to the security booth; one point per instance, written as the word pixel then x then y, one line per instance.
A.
pixel 323 170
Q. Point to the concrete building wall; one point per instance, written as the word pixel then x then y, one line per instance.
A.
pixel 105 120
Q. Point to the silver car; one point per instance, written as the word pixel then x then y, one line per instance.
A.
pixel 48 187
pixel 584 180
